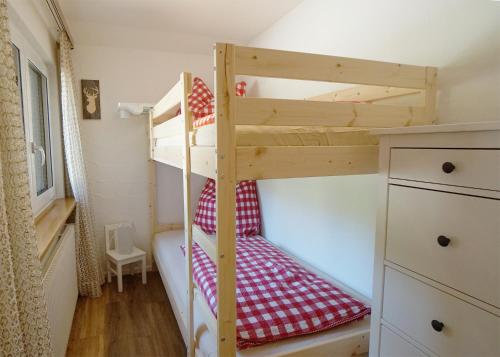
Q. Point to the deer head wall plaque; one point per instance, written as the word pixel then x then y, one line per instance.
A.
pixel 91 99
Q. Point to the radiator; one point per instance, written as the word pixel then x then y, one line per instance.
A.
pixel 61 289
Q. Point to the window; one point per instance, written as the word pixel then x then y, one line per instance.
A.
pixel 33 89
pixel 40 130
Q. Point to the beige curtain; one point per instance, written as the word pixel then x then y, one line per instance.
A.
pixel 90 273
pixel 24 329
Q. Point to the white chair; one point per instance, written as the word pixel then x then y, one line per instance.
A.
pixel 119 260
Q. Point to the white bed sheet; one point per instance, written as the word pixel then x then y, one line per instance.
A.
pixel 205 135
pixel 170 261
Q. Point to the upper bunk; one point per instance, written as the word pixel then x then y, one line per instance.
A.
pixel 325 135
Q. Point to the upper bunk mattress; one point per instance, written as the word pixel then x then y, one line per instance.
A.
pixel 258 135
pixel 276 297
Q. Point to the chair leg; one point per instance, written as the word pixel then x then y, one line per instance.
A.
pixel 109 271
pixel 119 277
pixel 144 277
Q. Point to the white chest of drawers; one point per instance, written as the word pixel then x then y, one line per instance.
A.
pixel 437 252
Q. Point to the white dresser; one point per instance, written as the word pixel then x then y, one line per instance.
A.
pixel 437 253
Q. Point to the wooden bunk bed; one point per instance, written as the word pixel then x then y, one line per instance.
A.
pixel 263 138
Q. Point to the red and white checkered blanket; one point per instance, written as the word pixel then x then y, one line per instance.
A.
pixel 276 297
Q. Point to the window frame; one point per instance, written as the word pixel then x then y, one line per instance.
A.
pixel 28 55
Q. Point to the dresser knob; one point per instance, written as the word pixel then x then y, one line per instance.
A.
pixel 437 325
pixel 448 167
pixel 443 241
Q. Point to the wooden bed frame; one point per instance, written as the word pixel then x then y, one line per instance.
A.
pixel 228 162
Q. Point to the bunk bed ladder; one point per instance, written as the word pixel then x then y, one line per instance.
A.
pixel 186 85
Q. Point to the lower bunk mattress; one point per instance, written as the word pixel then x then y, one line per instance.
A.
pixel 351 320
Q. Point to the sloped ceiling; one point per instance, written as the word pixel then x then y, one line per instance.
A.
pixel 180 25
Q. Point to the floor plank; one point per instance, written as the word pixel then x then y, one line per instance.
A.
pixel 138 322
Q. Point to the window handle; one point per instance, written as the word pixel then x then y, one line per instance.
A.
pixel 35 148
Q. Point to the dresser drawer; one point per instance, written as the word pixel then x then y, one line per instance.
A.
pixel 472 168
pixel 391 345
pixel 470 262
pixel 412 305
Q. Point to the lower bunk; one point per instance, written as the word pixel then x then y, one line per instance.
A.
pixel 348 339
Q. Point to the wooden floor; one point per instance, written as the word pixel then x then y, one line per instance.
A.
pixel 137 322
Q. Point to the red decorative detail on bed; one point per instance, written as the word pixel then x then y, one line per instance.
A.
pixel 206 120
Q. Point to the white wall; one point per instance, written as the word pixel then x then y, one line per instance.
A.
pixel 330 222
pixel 327 221
pixel 116 150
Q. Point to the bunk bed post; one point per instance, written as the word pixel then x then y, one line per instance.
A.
pixel 186 85
pixel 430 93
pixel 225 199
pixel 152 186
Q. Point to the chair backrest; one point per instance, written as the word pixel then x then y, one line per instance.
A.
pixel 110 233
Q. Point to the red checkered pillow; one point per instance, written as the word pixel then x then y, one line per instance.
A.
pixel 202 102
pixel 247 209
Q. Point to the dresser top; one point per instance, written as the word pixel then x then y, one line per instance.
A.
pixel 439 128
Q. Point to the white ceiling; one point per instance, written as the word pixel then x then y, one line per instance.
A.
pixel 191 24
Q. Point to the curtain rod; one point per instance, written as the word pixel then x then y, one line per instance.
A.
pixel 57 14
